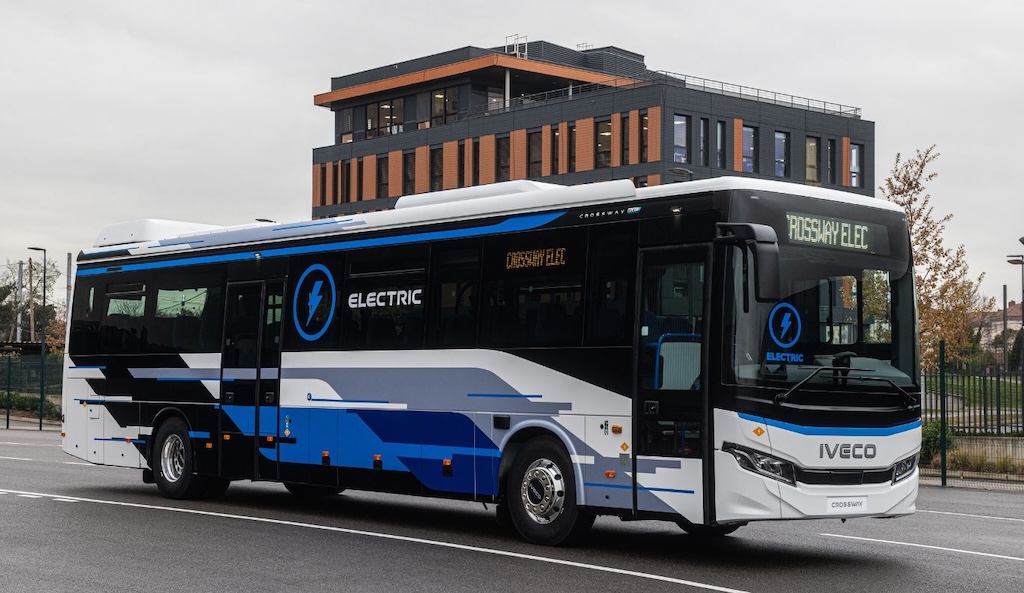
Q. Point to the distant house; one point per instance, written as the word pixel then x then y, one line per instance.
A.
pixel 990 326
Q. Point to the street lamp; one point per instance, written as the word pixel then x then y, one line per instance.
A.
pixel 42 343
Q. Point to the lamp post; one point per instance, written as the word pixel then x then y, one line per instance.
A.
pixel 42 343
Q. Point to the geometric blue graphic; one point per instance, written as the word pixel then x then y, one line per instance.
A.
pixel 780 326
pixel 310 291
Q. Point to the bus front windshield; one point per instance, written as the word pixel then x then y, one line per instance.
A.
pixel 844 322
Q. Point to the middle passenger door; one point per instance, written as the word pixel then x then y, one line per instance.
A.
pixel 670 392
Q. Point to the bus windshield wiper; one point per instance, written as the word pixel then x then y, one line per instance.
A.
pixel 839 369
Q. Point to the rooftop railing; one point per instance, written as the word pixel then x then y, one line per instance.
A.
pixel 671 78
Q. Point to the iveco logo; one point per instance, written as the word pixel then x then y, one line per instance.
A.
pixel 847 451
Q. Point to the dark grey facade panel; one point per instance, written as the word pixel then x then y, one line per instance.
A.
pixel 408 67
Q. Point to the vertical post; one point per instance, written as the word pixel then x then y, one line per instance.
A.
pixel 1006 339
pixel 21 284
pixel 42 339
pixel 67 297
pixel 10 364
pixel 942 408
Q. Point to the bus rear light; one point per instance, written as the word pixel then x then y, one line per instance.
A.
pixel 762 463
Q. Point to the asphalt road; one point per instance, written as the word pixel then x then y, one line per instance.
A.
pixel 70 526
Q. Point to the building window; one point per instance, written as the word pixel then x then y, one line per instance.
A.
pixel 856 165
pixel 782 154
pixel 624 135
pixel 462 164
pixel 346 181
pixel 831 161
pixel 476 161
pixel 336 185
pixel 444 106
pixel 502 169
pixel 813 159
pixel 640 181
pixel 705 141
pixel 323 184
pixel 720 145
pixel 749 149
pixel 385 118
pixel 345 126
pixel 643 136
pixel 359 180
pixel 679 138
pixel 554 149
pixel 572 148
pixel 436 169
pixel 534 154
pixel 603 145
pixel 382 176
pixel 408 173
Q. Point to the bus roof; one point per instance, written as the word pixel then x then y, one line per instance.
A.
pixel 159 237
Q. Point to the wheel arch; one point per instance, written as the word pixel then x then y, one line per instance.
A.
pixel 527 431
pixel 159 420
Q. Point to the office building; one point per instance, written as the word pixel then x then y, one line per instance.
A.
pixel 540 111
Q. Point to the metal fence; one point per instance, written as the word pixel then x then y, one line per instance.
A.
pixel 19 388
pixel 983 442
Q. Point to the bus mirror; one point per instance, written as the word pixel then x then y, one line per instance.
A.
pixel 764 243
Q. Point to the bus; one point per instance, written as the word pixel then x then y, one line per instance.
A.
pixel 710 353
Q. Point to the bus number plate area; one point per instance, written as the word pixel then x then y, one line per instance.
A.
pixel 846 505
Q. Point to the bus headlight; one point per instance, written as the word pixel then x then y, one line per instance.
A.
pixel 904 468
pixel 762 463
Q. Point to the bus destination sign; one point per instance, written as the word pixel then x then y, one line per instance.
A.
pixel 837 233
pixel 552 257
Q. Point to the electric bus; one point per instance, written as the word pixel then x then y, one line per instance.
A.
pixel 710 353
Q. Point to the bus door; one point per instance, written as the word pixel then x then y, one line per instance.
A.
pixel 670 390
pixel 250 380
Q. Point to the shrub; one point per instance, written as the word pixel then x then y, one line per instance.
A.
pixel 930 440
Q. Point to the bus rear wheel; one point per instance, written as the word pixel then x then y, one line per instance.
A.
pixel 174 464
pixel 541 495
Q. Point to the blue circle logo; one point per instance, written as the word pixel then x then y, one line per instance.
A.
pixel 784 325
pixel 316 293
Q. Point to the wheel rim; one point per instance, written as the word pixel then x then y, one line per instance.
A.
pixel 543 491
pixel 172 458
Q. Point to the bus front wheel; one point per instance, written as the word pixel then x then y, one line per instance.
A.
pixel 541 495
pixel 174 465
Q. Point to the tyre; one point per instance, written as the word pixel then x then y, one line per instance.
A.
pixel 541 495
pixel 709 530
pixel 174 465
pixel 310 491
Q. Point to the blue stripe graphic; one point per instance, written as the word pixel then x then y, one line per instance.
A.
pixel 835 431
pixel 520 223
pixel 505 395
pixel 198 434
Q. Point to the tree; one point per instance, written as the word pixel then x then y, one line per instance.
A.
pixel 947 298
pixel 31 295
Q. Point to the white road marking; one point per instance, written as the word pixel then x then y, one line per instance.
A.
pixel 15 458
pixel 403 538
pixel 972 516
pixel 912 545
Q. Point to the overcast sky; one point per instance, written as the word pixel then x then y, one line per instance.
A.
pixel 114 110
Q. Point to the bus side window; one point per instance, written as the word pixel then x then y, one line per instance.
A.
pixel 611 279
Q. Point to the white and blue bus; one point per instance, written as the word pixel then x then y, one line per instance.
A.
pixel 709 353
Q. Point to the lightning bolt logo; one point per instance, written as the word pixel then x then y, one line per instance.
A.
pixel 785 325
pixel 315 297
